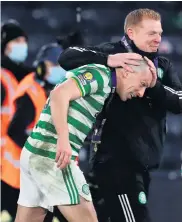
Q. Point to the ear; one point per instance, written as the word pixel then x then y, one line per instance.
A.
pixel 130 33
pixel 125 73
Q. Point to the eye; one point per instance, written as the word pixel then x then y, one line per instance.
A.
pixel 143 84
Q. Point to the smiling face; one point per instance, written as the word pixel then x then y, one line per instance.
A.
pixel 131 85
pixel 146 35
pixel 143 26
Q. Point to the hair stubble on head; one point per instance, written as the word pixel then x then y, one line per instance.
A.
pixel 143 67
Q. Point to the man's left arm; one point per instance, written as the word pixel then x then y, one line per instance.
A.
pixel 168 92
pixel 166 97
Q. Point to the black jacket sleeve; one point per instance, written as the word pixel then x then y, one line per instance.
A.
pixel 3 94
pixel 168 92
pixel 74 57
pixel 171 78
pixel 166 97
pixel 23 116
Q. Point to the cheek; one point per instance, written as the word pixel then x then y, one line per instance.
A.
pixel 9 48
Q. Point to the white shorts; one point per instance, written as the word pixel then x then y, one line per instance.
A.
pixel 42 184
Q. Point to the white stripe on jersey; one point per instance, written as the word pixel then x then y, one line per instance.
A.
pixel 94 87
pixel 39 144
pixel 99 99
pixel 76 132
pixel 81 101
pixel 80 117
pixel 46 117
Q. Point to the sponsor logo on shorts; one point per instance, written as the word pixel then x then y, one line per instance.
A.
pixel 85 189
pixel 142 198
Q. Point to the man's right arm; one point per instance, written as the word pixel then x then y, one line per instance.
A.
pixel 74 57
pixel 108 54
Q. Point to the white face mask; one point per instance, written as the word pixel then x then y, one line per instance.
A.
pixel 56 75
pixel 19 52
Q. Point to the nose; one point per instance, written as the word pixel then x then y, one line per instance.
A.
pixel 158 39
pixel 141 92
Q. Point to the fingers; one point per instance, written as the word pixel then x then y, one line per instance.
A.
pixel 126 67
pixel 132 62
pixel 60 159
pixel 133 56
pixel 58 153
pixel 63 160
pixel 150 63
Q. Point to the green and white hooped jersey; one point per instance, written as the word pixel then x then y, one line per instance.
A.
pixel 94 82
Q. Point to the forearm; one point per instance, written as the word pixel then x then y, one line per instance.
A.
pixel 59 111
pixel 74 57
pixel 166 97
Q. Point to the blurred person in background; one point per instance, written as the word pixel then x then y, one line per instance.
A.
pixel 133 136
pixel 29 99
pixel 14 51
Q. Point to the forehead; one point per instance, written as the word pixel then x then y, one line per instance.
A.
pixel 18 39
pixel 49 63
pixel 150 25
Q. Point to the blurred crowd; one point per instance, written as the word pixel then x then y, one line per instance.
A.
pixel 33 34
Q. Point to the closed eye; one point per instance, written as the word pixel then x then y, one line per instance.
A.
pixel 143 84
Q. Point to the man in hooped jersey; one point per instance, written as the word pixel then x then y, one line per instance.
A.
pixel 47 163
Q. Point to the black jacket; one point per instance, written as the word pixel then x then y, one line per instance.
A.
pixel 134 131
pixel 18 69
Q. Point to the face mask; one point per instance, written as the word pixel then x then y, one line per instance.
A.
pixel 19 52
pixel 56 75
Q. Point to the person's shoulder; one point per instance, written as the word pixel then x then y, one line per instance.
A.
pixel 90 67
pixel 100 69
pixel 164 62
pixel 112 47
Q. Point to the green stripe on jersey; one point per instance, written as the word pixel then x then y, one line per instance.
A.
pixel 92 102
pixel 47 110
pixel 47 126
pixel 79 85
pixel 75 139
pixel 78 125
pixel 82 110
pixel 44 138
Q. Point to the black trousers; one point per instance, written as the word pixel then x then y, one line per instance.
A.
pixel 125 193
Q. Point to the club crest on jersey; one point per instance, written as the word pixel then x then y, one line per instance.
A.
pixel 142 198
pixel 160 73
pixel 88 76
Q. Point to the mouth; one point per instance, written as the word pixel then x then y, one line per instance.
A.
pixel 131 95
pixel 155 46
